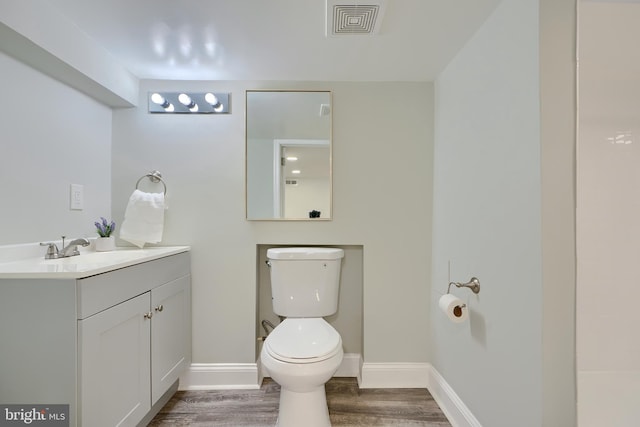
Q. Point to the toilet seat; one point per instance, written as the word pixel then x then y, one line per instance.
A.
pixel 303 340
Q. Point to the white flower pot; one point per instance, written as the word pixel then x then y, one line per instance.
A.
pixel 104 244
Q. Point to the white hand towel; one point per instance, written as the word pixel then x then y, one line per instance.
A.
pixel 144 218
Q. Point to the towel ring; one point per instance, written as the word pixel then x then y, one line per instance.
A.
pixel 155 177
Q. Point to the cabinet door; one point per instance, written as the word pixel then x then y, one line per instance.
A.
pixel 114 365
pixel 170 334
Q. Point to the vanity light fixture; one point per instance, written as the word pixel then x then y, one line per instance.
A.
pixel 296 172
pixel 189 102
pixel 292 158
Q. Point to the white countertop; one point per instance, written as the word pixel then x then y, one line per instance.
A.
pixel 86 264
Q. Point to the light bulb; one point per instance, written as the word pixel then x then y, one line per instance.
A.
pixel 211 99
pixel 185 100
pixel 188 102
pixel 156 98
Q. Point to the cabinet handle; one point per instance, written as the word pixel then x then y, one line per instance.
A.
pixel 159 308
pixel 148 315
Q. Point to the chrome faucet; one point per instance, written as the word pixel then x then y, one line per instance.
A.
pixel 70 250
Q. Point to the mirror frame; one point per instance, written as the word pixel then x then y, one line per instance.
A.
pixel 246 157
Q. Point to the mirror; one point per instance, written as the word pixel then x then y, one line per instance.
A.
pixel 288 155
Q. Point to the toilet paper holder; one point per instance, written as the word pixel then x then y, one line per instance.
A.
pixel 473 284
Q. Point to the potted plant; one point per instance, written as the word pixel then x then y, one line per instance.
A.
pixel 106 242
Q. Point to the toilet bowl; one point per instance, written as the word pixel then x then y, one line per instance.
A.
pixel 302 354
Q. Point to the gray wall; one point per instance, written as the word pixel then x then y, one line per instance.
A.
pixel 52 136
pixel 558 153
pixel 382 172
pixel 504 213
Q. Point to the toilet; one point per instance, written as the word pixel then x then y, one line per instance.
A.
pixel 304 351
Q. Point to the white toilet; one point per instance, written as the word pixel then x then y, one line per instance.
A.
pixel 304 351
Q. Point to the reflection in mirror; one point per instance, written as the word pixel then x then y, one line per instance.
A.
pixel 288 148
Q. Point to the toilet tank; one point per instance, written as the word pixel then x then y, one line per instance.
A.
pixel 305 281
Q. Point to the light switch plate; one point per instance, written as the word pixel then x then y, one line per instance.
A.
pixel 76 197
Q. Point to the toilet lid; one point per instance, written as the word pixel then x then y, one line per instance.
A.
pixel 300 340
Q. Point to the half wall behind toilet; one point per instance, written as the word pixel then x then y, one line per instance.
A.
pixel 347 321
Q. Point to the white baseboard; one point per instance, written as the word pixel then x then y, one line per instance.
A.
pixel 220 376
pixel 394 375
pixel 350 367
pixel 453 407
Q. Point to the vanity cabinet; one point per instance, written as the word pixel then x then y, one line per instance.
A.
pixel 132 353
pixel 111 345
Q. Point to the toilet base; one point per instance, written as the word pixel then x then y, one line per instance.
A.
pixel 308 409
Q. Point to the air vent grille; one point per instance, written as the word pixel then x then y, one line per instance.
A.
pixel 354 19
pixel 291 182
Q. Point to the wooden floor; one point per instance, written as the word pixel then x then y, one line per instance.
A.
pixel 348 406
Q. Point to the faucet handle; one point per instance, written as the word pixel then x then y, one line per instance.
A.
pixel 52 250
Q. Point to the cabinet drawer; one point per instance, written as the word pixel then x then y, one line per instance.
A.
pixel 97 293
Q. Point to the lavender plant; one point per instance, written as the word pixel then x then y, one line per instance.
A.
pixel 105 229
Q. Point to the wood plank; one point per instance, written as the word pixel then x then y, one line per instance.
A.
pixel 348 406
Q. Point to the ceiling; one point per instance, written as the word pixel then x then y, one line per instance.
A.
pixel 276 39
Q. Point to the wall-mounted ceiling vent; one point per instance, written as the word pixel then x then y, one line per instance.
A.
pixel 362 18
